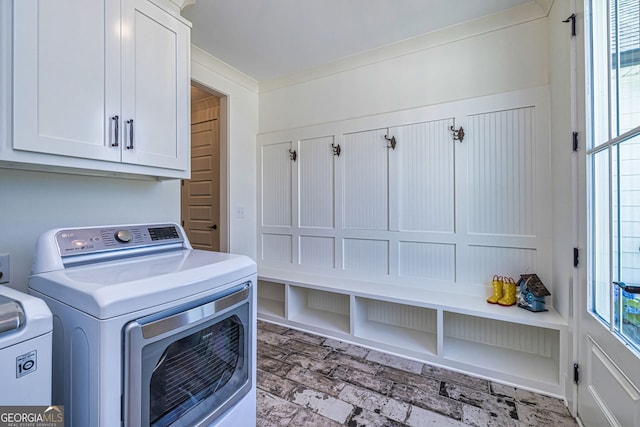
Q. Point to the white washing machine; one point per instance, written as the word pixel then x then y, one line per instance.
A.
pixel 25 349
pixel 148 331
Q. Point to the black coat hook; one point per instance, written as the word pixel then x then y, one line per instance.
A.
pixel 293 155
pixel 458 135
pixel 572 19
pixel 392 142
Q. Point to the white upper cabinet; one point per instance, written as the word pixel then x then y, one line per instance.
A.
pixel 155 84
pixel 101 80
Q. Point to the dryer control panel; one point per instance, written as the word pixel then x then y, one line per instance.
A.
pixel 76 241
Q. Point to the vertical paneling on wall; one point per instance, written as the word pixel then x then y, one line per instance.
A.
pixel 317 251
pixel 528 339
pixel 316 177
pixel 420 319
pixel 431 212
pixel 366 256
pixel 329 302
pixel 485 261
pixel 276 185
pixel 366 180
pixel 277 248
pixel 427 260
pixel 501 172
pixel 426 176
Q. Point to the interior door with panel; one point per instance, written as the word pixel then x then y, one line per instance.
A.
pixel 200 195
pixel 67 78
pixel 155 87
pixel 609 323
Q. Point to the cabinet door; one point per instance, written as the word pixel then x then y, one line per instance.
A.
pixel 155 87
pixel 66 77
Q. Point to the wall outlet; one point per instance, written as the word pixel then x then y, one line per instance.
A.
pixel 239 212
pixel 4 267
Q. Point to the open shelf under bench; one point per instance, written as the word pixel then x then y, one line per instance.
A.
pixel 462 332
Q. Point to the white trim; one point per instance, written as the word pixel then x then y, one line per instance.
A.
pixel 209 61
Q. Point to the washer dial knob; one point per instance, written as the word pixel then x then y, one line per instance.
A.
pixel 123 236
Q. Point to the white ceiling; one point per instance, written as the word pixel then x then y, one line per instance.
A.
pixel 268 39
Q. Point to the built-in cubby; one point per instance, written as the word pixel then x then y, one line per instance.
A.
pixel 394 326
pixel 462 332
pixel 271 299
pixel 321 309
pixel 511 349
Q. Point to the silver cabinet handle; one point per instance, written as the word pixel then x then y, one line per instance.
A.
pixel 130 146
pixel 116 130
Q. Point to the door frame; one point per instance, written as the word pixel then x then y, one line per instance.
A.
pixel 594 344
pixel 223 120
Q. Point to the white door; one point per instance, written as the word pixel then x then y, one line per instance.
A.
pixel 67 77
pixel 609 321
pixel 155 87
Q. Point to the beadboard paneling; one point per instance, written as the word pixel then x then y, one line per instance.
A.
pixel 524 338
pixel 425 176
pixel 316 177
pixel 276 185
pixel 406 316
pixel 427 260
pixel 501 170
pixel 366 255
pixel 327 301
pixel 485 261
pixel 317 251
pixel 365 180
pixel 277 248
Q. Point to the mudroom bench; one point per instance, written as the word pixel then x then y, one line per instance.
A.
pixel 457 331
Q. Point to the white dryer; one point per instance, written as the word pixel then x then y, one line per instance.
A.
pixel 148 331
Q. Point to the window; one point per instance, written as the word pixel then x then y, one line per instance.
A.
pixel 613 162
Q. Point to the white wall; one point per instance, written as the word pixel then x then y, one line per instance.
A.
pixel 242 101
pixel 33 202
pixel 500 53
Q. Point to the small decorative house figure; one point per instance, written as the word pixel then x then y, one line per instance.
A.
pixel 532 293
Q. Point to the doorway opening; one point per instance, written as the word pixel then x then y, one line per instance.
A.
pixel 203 198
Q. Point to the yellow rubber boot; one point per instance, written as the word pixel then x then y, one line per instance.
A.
pixel 508 292
pixel 497 290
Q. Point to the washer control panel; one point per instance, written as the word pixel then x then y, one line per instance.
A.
pixel 77 241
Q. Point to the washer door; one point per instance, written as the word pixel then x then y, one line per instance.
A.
pixel 191 373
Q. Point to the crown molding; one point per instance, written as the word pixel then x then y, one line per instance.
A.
pixel 544 4
pixel 204 59
pixel 183 3
pixel 528 12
